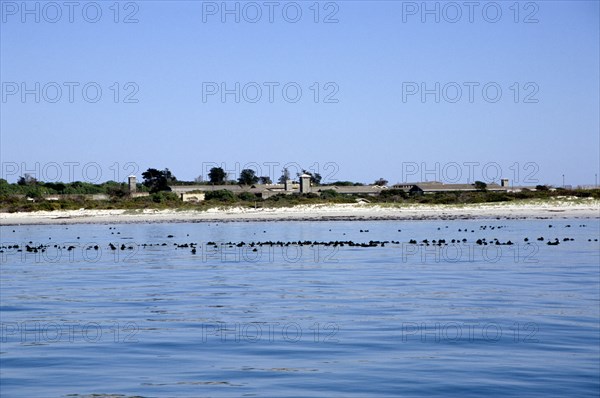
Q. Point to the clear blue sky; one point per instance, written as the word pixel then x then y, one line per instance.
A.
pixel 372 57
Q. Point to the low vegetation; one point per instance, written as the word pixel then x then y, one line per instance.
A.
pixel 15 197
pixel 28 194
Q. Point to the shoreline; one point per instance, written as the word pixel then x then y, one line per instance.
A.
pixel 321 212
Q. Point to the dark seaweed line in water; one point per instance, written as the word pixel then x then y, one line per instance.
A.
pixel 372 243
pixel 33 248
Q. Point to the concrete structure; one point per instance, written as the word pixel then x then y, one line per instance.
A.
pixel 504 182
pixel 192 196
pixel 305 183
pixel 288 185
pixel 132 184
pixel 369 190
pixel 94 196
pixel 436 186
pixel 267 190
pixel 139 194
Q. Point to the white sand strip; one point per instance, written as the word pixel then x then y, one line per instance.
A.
pixel 327 212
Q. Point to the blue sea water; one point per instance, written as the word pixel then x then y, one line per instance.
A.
pixel 405 319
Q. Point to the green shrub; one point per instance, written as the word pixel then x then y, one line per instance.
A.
pixel 387 193
pixel 164 197
pixel 329 194
pixel 247 196
pixel 221 195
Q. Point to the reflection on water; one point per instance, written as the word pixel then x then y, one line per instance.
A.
pixel 190 315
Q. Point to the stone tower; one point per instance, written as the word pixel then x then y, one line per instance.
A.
pixel 305 183
pixel 132 184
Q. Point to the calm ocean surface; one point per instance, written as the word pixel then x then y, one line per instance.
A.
pixel 299 320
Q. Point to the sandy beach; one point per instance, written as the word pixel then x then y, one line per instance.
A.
pixel 584 209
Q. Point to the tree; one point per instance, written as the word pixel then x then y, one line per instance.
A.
pixel 58 187
pixel 35 192
pixel 158 180
pixel 27 180
pixel 5 187
pixel 541 188
pixel 285 176
pixel 217 175
pixel 480 185
pixel 315 178
pixel 381 182
pixel 265 180
pixel 82 188
pixel 342 183
pixel 117 190
pixel 248 177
